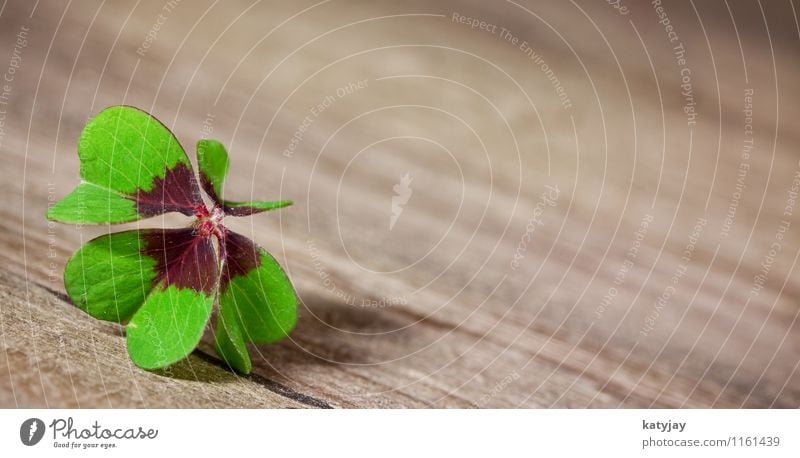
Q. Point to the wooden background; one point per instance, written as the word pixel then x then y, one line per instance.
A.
pixel 433 311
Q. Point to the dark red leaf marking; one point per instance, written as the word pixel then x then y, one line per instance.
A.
pixel 177 191
pixel 183 258
pixel 205 182
pixel 241 257
pixel 241 211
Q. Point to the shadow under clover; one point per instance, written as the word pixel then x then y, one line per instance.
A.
pixel 199 367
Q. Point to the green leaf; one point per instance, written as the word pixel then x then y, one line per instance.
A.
pixel 253 207
pixel 109 277
pixel 132 167
pixel 124 149
pixel 168 326
pixel 229 342
pixel 213 162
pixel 89 203
pixel 257 301
pixel 161 281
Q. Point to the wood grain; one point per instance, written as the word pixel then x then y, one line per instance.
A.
pixel 433 312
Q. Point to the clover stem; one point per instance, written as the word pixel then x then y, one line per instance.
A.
pixel 201 211
pixel 210 223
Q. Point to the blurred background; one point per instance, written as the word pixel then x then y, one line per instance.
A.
pixel 497 204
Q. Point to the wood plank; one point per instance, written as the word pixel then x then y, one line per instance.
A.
pixel 53 355
pixel 463 327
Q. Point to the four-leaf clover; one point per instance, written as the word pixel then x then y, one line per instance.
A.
pixel 163 283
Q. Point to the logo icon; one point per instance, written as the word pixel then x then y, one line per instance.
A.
pixel 402 191
pixel 31 431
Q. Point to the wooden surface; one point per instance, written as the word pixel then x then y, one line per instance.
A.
pixel 434 311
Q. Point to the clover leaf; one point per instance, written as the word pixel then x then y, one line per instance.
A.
pixel 163 283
